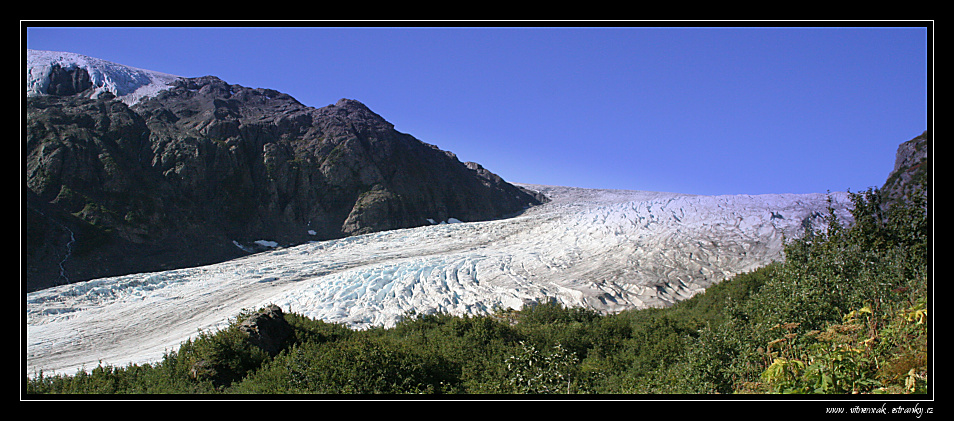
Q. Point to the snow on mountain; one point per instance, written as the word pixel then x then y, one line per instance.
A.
pixel 129 84
pixel 608 250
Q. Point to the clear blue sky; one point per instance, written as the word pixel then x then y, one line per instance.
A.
pixel 744 110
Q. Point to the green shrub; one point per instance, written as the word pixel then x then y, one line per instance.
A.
pixel 533 371
pixel 352 366
pixel 845 357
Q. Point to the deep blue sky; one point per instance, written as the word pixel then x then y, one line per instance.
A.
pixel 745 110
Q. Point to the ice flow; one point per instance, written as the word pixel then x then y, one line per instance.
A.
pixel 608 250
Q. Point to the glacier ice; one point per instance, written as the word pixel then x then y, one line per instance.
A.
pixel 129 84
pixel 607 250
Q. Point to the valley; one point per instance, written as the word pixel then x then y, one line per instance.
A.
pixel 608 250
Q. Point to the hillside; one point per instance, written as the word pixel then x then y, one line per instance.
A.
pixel 125 167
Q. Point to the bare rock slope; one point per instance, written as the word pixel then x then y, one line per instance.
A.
pixel 115 186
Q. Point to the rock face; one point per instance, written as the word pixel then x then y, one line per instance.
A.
pixel 65 82
pixel 183 178
pixel 911 168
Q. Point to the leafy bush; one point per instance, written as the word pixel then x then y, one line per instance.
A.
pixel 352 366
pixel 845 358
pixel 539 372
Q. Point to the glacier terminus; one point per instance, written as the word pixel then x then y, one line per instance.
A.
pixel 607 250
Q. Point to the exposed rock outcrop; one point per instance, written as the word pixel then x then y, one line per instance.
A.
pixel 182 177
pixel 64 82
pixel 268 329
pixel 911 169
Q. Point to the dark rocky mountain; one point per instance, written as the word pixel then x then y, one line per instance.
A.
pixel 204 169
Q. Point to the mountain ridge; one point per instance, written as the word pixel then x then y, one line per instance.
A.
pixel 125 165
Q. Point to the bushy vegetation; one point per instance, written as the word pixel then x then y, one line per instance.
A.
pixel 845 312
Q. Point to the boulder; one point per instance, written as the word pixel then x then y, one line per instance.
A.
pixel 268 329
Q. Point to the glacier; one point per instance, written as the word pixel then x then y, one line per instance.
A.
pixel 607 250
pixel 128 84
